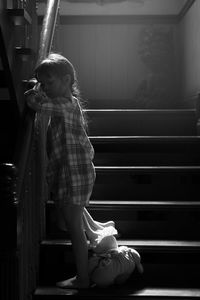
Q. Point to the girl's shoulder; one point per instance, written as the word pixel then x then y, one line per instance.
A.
pixel 70 102
pixel 65 104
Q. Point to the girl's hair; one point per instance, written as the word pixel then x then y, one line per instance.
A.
pixel 60 66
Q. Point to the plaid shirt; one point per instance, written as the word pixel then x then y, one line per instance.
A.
pixel 70 171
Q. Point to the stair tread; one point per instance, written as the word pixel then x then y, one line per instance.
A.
pixel 127 291
pixel 145 204
pixel 130 138
pixel 155 169
pixel 165 245
pixel 147 111
pixel 142 204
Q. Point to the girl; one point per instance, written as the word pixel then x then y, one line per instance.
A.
pixel 70 170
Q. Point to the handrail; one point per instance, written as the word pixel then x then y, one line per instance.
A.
pixel 45 44
pixel 41 120
pixel 48 28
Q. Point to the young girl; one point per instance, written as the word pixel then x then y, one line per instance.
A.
pixel 70 171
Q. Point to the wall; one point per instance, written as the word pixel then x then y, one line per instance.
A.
pixel 111 72
pixel 117 7
pixel 127 54
pixel 189 39
pixel 105 57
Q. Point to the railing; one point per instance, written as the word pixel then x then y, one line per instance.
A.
pixel 32 190
pixel 27 212
pixel 17 4
pixel 48 28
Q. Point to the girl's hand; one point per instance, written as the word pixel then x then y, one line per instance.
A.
pixel 31 92
pixel 35 98
pixel 37 93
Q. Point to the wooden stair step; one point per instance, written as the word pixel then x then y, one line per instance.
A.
pixel 119 293
pixel 172 262
pixel 142 122
pixel 141 205
pixel 146 150
pixel 153 246
pixel 143 140
pixel 146 182
pixel 155 219
pixel 144 205
pixel 149 169
pixel 130 103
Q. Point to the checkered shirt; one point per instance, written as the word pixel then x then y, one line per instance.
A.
pixel 70 170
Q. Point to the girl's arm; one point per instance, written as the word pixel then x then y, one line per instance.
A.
pixel 38 101
pixel 34 99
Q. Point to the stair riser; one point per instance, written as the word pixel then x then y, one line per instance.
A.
pixel 167 269
pixel 165 275
pixel 144 192
pixel 141 123
pixel 140 224
pixel 133 186
pixel 131 103
pixel 127 158
pixel 151 151
pixel 145 160
pixel 147 144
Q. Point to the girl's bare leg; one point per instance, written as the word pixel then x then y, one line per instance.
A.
pixel 95 225
pixel 73 215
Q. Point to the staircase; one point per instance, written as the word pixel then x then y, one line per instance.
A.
pixel 148 174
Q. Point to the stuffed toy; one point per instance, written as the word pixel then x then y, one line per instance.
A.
pixel 112 264
pixel 108 264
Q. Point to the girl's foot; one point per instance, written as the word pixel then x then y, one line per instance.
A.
pixel 95 225
pixel 106 224
pixel 73 283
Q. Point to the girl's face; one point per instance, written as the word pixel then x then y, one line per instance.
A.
pixel 52 85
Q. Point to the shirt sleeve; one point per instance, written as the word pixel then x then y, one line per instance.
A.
pixel 42 103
